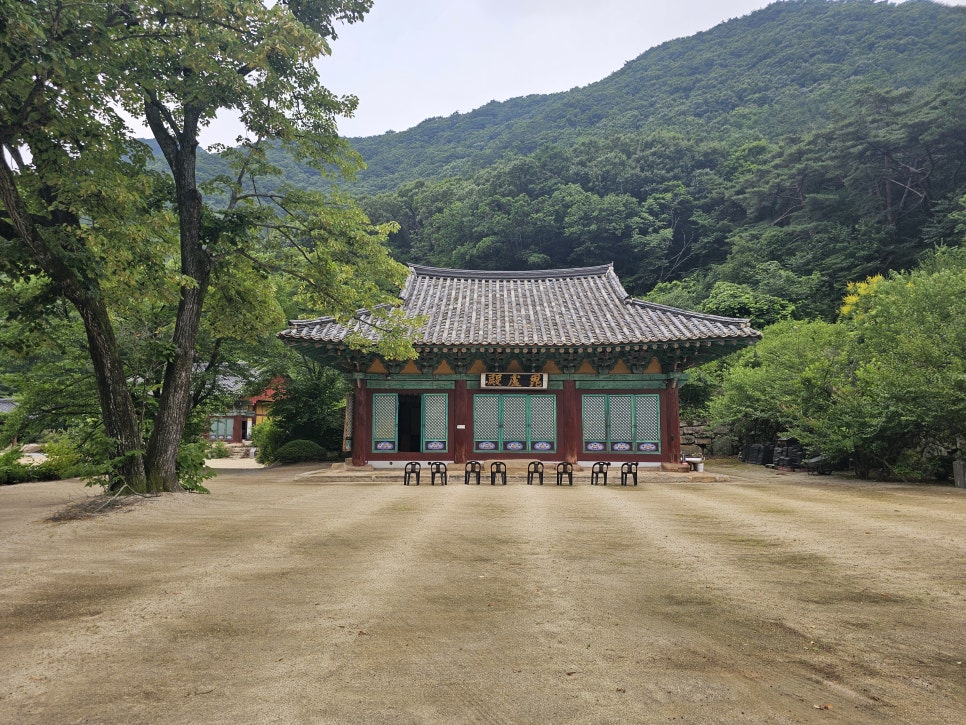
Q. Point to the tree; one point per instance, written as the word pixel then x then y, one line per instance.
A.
pixel 884 386
pixel 786 382
pixel 73 188
pixel 739 300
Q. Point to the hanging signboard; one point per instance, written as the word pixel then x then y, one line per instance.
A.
pixel 528 381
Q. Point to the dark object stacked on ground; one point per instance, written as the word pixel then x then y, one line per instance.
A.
pixel 788 453
pixel 758 453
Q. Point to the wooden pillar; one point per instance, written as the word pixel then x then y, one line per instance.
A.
pixel 569 424
pixel 462 416
pixel 671 424
pixel 361 424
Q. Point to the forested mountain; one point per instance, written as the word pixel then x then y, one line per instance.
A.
pixel 784 69
pixel 753 169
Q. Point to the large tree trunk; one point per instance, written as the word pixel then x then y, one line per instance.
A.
pixel 180 151
pixel 83 291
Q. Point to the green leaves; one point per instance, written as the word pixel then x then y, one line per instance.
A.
pixel 885 386
pixel 160 276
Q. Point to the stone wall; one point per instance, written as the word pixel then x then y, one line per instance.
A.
pixel 698 438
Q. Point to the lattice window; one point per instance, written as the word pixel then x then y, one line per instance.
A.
pixel 621 418
pixel 384 426
pixel 221 429
pixel 595 417
pixel 515 423
pixel 648 418
pixel 435 422
pixel 622 423
pixel 515 420
pixel 543 418
pixel 486 422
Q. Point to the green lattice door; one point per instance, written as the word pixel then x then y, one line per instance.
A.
pixel 435 422
pixel 622 423
pixel 647 422
pixel 514 423
pixel 486 423
pixel 385 426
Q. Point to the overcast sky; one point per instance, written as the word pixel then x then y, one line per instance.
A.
pixel 414 59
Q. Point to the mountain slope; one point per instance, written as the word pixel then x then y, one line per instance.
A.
pixel 783 69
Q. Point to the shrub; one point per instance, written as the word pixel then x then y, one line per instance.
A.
pixel 267 437
pixel 218 449
pixel 12 470
pixel 64 458
pixel 191 466
pixel 299 450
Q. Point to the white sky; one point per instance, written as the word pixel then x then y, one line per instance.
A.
pixel 415 59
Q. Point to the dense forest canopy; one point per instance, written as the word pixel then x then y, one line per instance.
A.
pixel 781 70
pixel 795 218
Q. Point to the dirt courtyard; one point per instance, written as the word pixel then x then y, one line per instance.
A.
pixel 286 597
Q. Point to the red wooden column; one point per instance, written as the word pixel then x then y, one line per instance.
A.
pixel 462 416
pixel 361 424
pixel 569 426
pixel 672 423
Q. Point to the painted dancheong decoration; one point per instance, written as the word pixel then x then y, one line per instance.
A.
pixel 560 364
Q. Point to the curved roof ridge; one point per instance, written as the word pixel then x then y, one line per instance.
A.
pixel 680 311
pixel 424 271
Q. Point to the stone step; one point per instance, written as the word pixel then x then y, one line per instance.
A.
pixel 239 450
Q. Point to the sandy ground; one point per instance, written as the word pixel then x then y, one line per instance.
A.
pixel 297 598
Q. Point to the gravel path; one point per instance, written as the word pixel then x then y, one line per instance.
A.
pixel 291 597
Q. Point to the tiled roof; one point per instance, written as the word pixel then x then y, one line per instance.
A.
pixel 556 307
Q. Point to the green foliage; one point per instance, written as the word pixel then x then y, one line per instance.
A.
pixel 786 224
pixel 191 466
pixel 311 404
pixel 151 272
pixel 217 449
pixel 739 300
pixel 298 451
pixel 780 70
pixel 884 386
pixel 65 457
pixel 11 469
pixel 268 437
pixel 784 382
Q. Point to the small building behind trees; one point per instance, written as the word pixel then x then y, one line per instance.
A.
pixel 558 365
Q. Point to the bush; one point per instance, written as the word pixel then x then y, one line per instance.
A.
pixel 191 466
pixel 64 458
pixel 218 449
pixel 298 451
pixel 267 437
pixel 12 470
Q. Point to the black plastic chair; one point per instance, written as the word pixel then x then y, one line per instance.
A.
pixel 437 468
pixel 597 471
pixel 411 469
pixel 497 468
pixel 628 470
pixel 565 469
pixel 472 468
pixel 535 468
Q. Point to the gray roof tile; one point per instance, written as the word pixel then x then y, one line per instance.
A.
pixel 580 306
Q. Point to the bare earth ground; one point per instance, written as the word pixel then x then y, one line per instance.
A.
pixel 291 597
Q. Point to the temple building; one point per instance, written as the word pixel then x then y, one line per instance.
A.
pixel 555 365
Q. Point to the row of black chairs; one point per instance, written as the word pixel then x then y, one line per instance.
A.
pixel 598 472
